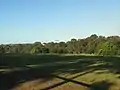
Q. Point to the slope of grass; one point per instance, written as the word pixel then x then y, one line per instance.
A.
pixel 59 72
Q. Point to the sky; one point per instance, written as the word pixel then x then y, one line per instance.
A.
pixel 24 21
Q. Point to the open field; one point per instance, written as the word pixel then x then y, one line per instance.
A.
pixel 59 72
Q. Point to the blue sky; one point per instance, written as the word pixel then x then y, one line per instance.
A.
pixel 24 21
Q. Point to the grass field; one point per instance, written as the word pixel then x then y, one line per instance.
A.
pixel 59 72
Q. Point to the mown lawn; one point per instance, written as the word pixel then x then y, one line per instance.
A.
pixel 59 72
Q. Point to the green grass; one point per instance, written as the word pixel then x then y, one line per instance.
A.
pixel 59 72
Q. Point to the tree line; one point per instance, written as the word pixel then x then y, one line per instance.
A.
pixel 93 44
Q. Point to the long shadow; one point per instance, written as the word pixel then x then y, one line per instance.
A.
pixel 11 61
pixel 112 64
pixel 66 80
pixel 10 79
pixel 68 64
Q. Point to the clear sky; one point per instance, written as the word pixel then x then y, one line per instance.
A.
pixel 50 20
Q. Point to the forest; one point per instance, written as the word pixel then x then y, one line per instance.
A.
pixel 94 44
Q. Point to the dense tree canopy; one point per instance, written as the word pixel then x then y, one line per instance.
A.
pixel 94 44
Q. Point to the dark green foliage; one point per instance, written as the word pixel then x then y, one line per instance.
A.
pixel 2 49
pixel 94 44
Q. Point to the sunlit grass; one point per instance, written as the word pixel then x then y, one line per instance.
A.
pixel 101 73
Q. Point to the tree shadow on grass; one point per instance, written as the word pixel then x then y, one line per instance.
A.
pixel 66 80
pixel 110 63
pixel 11 61
pixel 103 85
pixel 50 64
pixel 9 80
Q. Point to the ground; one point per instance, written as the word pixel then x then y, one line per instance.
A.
pixel 59 72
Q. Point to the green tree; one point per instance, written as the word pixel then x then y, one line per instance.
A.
pixel 107 48
pixel 2 49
